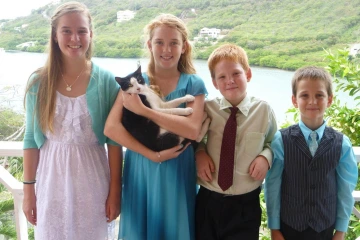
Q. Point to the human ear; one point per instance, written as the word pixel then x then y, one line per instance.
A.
pixel 294 101
pixel 184 47
pixel 215 84
pixel 149 45
pixel 330 99
pixel 248 75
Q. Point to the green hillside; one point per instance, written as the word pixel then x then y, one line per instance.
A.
pixel 284 34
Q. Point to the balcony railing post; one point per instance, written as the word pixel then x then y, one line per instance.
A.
pixel 21 226
pixel 16 189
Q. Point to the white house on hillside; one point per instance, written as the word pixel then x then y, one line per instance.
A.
pixel 209 32
pixel 125 15
pixel 26 44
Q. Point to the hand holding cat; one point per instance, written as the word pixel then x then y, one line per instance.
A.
pixel 133 103
pixel 168 154
pixel 205 166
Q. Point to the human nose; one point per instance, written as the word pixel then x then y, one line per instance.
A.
pixel 230 81
pixel 313 100
pixel 166 48
pixel 74 37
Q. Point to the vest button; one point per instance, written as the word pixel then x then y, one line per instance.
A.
pixel 314 168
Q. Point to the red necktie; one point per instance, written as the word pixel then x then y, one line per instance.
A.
pixel 226 169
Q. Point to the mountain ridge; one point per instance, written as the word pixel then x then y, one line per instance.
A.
pixel 284 34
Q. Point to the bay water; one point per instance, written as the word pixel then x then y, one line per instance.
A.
pixel 271 85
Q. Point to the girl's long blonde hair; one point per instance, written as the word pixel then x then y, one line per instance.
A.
pixel 185 64
pixel 51 71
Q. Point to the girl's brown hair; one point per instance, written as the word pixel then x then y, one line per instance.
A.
pixel 47 75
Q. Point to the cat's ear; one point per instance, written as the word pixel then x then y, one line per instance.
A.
pixel 119 80
pixel 138 71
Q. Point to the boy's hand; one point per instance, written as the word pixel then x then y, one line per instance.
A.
pixel 204 166
pixel 276 235
pixel 259 168
pixel 338 235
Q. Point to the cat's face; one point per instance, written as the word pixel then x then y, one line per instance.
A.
pixel 132 83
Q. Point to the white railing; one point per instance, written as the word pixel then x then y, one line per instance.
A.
pixel 14 149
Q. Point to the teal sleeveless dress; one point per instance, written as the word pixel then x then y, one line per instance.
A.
pixel 158 200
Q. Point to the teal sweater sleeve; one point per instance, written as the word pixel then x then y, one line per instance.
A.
pixel 101 95
pixel 33 137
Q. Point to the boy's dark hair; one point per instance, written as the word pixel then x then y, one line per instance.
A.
pixel 312 73
pixel 230 52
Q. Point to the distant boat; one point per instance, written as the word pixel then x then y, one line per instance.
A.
pixel 2 50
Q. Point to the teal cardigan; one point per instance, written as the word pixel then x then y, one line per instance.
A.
pixel 100 95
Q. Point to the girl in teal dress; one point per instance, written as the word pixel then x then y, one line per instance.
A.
pixel 159 188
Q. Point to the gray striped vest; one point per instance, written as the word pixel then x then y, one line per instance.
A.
pixel 308 189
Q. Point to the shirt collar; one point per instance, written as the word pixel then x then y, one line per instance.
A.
pixel 306 131
pixel 243 106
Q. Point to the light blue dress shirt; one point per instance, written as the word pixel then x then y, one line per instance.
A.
pixel 346 177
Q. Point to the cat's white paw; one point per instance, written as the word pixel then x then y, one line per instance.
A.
pixel 189 98
pixel 188 111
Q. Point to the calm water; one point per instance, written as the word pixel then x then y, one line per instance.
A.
pixel 271 85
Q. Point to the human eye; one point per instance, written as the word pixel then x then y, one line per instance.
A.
pixel 66 31
pixel 237 73
pixel 158 42
pixel 83 31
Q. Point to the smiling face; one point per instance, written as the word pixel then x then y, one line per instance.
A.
pixel 166 46
pixel 312 100
pixel 73 35
pixel 231 80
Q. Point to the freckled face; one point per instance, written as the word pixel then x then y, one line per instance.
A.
pixel 231 80
pixel 166 47
pixel 73 35
pixel 312 100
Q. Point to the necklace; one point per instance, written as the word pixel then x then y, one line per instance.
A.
pixel 68 87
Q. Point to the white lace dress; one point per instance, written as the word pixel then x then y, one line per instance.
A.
pixel 72 177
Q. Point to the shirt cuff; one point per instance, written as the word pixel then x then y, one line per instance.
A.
pixel 268 155
pixel 201 147
pixel 273 222
pixel 341 225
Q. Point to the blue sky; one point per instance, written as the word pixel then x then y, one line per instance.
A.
pixel 10 9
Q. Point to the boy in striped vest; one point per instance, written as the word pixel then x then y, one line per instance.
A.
pixel 309 187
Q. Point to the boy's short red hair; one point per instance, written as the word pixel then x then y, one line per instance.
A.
pixel 230 52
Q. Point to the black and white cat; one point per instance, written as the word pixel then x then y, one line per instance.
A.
pixel 146 131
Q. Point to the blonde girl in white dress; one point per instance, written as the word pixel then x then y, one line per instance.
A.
pixel 72 185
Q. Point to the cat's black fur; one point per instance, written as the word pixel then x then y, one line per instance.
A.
pixel 144 130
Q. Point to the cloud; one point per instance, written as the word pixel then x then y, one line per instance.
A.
pixel 18 8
